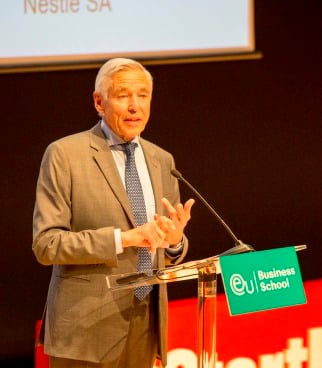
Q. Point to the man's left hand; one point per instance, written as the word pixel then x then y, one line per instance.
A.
pixel 173 226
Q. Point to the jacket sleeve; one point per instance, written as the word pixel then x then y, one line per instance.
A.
pixel 54 239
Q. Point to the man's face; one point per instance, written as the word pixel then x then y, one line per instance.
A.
pixel 126 109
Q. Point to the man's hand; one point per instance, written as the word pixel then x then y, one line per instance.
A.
pixel 173 226
pixel 162 231
pixel 148 235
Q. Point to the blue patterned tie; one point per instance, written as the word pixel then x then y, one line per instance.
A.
pixel 135 194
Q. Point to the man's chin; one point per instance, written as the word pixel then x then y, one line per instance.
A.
pixel 129 137
pixel 131 134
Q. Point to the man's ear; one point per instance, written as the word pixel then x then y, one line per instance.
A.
pixel 98 103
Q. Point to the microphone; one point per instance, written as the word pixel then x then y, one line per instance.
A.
pixel 239 247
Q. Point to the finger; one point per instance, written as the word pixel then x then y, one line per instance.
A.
pixel 180 212
pixel 171 210
pixel 188 205
pixel 151 235
pixel 165 224
pixel 157 235
pixel 184 212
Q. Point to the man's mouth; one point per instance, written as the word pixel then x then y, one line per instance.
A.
pixel 132 119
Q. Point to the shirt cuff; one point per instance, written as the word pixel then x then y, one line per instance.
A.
pixel 118 241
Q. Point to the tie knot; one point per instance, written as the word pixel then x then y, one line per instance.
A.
pixel 130 148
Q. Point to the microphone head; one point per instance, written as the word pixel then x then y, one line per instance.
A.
pixel 177 174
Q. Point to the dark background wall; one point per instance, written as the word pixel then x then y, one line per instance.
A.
pixel 247 134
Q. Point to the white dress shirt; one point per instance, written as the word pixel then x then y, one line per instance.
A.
pixel 119 156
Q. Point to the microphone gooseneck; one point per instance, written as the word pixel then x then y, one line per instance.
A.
pixel 241 247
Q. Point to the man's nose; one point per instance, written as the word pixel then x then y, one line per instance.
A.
pixel 133 103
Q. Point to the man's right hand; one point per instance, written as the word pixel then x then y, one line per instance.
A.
pixel 148 235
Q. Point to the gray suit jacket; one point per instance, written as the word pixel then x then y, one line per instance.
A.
pixel 80 199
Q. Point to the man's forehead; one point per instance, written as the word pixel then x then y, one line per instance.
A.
pixel 131 84
pixel 130 77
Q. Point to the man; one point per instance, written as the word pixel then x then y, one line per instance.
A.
pixel 86 225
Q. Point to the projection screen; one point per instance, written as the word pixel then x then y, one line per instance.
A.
pixel 52 32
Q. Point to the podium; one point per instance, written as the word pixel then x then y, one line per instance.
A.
pixel 206 271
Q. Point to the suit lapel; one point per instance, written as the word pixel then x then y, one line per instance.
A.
pixel 105 161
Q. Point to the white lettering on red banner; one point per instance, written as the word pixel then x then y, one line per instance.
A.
pixel 294 355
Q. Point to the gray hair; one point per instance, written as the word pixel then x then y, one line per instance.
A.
pixel 112 66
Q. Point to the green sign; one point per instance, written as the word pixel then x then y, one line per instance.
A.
pixel 262 280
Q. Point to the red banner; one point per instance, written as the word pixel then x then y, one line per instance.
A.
pixel 289 337
pixel 282 338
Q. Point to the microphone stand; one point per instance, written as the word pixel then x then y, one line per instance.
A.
pixel 240 246
pixel 207 290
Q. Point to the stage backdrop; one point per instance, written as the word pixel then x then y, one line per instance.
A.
pixel 247 134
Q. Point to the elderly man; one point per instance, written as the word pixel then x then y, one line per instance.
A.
pixel 106 204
